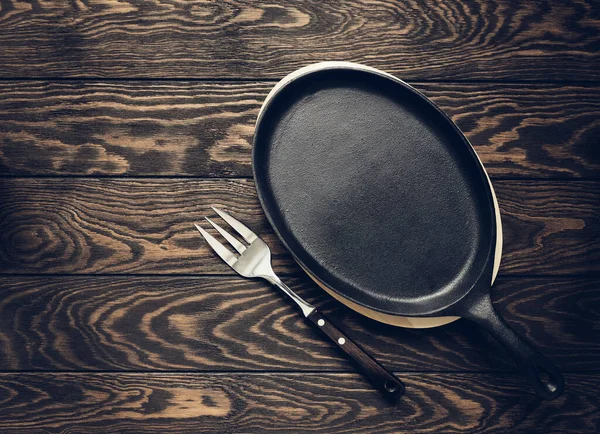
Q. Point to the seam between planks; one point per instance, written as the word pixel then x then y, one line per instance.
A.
pixel 249 178
pixel 516 276
pixel 415 80
pixel 282 372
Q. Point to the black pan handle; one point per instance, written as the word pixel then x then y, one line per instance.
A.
pixel 539 372
pixel 381 378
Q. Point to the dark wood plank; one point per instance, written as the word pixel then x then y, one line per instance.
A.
pixel 294 403
pixel 55 225
pixel 205 129
pixel 550 226
pixel 452 39
pixel 232 324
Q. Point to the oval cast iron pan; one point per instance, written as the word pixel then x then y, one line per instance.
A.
pixel 383 201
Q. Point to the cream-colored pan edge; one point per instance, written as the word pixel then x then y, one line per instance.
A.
pixel 400 321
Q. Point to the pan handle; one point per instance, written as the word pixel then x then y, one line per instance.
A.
pixel 539 372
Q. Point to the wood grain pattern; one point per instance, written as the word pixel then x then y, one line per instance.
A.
pixel 115 317
pixel 451 39
pixel 547 226
pixel 146 226
pixel 205 129
pixel 231 324
pixel 294 403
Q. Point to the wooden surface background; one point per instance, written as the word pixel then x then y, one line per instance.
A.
pixel 122 122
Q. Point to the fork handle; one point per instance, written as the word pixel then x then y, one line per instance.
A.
pixel 381 378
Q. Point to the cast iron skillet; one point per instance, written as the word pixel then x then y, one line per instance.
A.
pixel 381 198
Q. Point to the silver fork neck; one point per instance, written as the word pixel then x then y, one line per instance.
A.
pixel 306 307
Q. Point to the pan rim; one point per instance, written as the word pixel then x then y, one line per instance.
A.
pixel 332 65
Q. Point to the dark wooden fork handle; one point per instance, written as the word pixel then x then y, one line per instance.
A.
pixel 381 378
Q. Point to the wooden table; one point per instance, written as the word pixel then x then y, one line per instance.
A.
pixel 121 122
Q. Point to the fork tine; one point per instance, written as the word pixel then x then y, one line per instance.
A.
pixel 235 243
pixel 219 248
pixel 246 233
